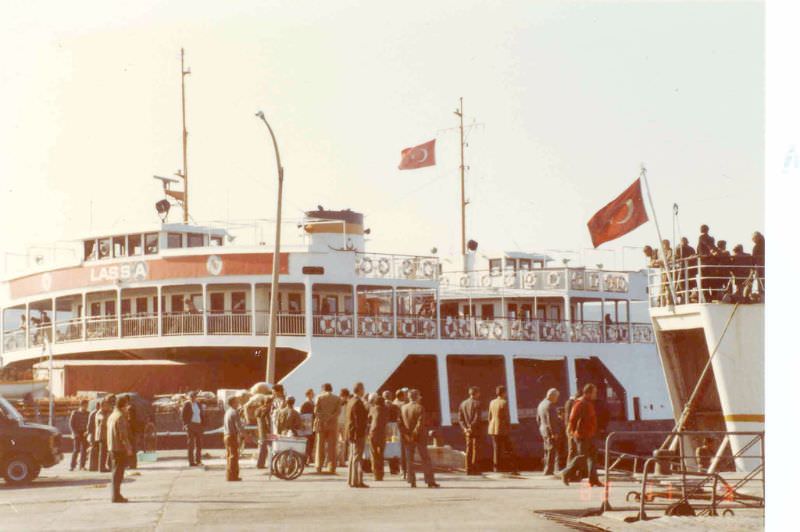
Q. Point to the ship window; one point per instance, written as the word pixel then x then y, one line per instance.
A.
pixel 217 302
pixel 215 241
pixel 194 240
pixel 525 264
pixel 151 243
pixel 487 312
pixel 525 311
pixel 110 308
pixel 176 303
pixel 511 265
pixel 238 302
pixel 134 245
pixel 495 266
pixel 94 309
pixel 294 301
pixel 119 246
pixel 174 240
pixel 348 304
pixel 512 311
pixel 89 249
pixel 104 248
pixel 141 305
pixel 126 307
pixel 330 305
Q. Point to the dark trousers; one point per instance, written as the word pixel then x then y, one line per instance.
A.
pixel 584 457
pixel 104 458
pixel 553 454
pixel 78 448
pixel 231 457
pixel 413 448
pixel 94 455
pixel 133 462
pixel 356 473
pixel 310 447
pixel 376 448
pixel 503 455
pixel 119 459
pixel 194 443
pixel 471 454
pixel 263 452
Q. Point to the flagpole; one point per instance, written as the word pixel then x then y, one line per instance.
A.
pixel 643 175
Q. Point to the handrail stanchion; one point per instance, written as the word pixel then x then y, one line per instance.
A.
pixel 606 506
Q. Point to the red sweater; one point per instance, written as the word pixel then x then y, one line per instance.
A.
pixel 582 419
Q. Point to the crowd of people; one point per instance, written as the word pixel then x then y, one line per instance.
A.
pixel 709 272
pixel 345 428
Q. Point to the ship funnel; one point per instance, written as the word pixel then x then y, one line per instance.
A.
pixel 334 230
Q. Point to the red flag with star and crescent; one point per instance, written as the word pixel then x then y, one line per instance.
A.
pixel 624 214
pixel 418 156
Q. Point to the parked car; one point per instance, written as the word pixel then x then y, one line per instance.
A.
pixel 25 448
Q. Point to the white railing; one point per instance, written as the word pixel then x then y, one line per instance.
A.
pixel 289 324
pixel 139 325
pixel 728 279
pixel 14 340
pixel 235 323
pixel 181 323
pixel 69 330
pixel 100 327
pixel 540 279
pixel 380 266
pixel 334 325
pixel 379 326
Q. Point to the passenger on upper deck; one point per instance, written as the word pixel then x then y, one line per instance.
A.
pixel 758 248
pixel 652 256
pixel 705 244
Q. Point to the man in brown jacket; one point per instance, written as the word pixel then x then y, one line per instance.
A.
pixel 469 417
pixel 289 418
pixel 416 439
pixel 326 425
pixel 356 433
pixel 499 429
pixel 119 445
pixel 378 417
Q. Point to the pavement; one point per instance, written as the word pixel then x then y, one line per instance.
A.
pixel 168 495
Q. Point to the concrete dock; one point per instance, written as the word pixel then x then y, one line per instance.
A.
pixel 169 495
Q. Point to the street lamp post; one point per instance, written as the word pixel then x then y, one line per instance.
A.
pixel 273 300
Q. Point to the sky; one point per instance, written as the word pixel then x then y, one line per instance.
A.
pixel 564 101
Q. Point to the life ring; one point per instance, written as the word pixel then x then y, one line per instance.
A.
pixel 611 334
pixel 516 330
pixel 344 325
pixel 483 330
pixel 428 269
pixel 576 280
pixel 409 268
pixel 529 280
pixel 326 325
pixel 548 331
pixel 383 266
pixel 429 328
pixel 486 281
pixel 408 328
pixel 498 330
pixel 622 284
pixel 450 327
pixel 365 266
pixel 509 279
pixel 647 335
pixel 464 281
pixel 594 281
pixel 367 326
pixel 553 279
pixel 385 326
pixel 529 330
pixel 464 328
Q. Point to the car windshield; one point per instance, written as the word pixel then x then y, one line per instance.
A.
pixel 9 410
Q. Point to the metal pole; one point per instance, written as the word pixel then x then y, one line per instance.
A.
pixel 273 300
pixel 185 176
pixel 50 368
pixel 460 113
pixel 660 240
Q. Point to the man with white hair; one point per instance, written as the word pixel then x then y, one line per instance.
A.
pixel 552 431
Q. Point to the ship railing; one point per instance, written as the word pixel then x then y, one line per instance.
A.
pixel 537 330
pixel 390 266
pixel 706 280
pixel 334 324
pixel 70 330
pixel 14 340
pixel 139 325
pixel 289 324
pixel 99 327
pixel 413 326
pixel 537 279
pixel 229 323
pixel 675 475
pixel 376 326
pixel 181 323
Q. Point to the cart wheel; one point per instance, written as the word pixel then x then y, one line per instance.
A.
pixel 633 495
pixel 288 464
pixel 394 466
pixel 727 512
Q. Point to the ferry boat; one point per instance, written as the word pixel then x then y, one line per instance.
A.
pixel 194 294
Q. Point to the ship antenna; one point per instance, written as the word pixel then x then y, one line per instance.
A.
pixel 185 173
pixel 460 113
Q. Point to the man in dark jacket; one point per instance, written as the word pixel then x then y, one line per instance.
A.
pixel 551 430
pixel 400 400
pixel 262 414
pixel 77 425
pixel 582 426
pixel 289 422
pixel 356 433
pixel 378 416
pixel 307 410
pixel 415 435
pixel 192 416
pixel 469 418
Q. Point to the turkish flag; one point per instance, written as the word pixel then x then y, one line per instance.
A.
pixel 418 156
pixel 619 217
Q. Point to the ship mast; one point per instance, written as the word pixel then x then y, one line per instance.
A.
pixel 460 113
pixel 185 173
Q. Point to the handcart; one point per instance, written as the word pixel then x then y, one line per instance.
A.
pixel 287 456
